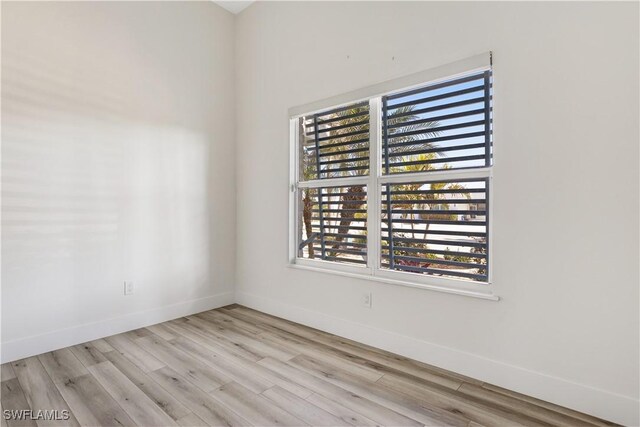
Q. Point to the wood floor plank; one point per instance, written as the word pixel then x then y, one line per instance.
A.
pixel 219 363
pixel 136 354
pixel 444 399
pixel 3 421
pixel 138 333
pixel 91 403
pixel 141 409
pixel 305 331
pixel 412 408
pixel 6 372
pixel 88 400
pixel 344 413
pixel 162 398
pixel 374 411
pixel 374 368
pixel 306 347
pixel 13 399
pixel 234 322
pixel 192 420
pixel 162 331
pixel 239 336
pixel 204 405
pixel 40 391
pixel 302 409
pixel 189 367
pixel 584 418
pixel 254 407
pixel 248 365
pixel 62 365
pixel 512 404
pixel 344 363
pixel 381 362
pixel 88 354
pixel 297 346
pixel 202 328
pixel 102 346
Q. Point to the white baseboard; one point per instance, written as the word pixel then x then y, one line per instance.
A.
pixel 31 346
pixel 600 403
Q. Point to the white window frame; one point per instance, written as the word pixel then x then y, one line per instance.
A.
pixel 375 180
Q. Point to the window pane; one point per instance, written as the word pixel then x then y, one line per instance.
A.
pixel 334 227
pixel 441 126
pixel 334 143
pixel 437 228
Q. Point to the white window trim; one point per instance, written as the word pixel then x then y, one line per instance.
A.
pixel 375 180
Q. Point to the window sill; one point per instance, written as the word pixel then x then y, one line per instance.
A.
pixel 488 295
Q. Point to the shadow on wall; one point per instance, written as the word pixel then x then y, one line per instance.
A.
pixel 96 188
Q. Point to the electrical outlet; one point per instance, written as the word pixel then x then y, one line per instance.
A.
pixel 128 288
pixel 366 299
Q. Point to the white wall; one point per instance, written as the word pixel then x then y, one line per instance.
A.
pixel 566 187
pixel 117 164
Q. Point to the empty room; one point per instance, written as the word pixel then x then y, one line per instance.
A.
pixel 320 213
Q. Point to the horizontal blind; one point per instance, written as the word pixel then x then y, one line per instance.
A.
pixel 436 228
pixel 335 143
pixel 333 224
pixel 440 126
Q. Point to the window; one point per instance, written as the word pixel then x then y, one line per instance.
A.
pixel 397 186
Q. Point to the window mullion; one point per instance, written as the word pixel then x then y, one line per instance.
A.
pixel 373 190
pixel 295 231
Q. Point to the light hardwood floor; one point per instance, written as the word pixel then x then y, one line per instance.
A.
pixel 237 366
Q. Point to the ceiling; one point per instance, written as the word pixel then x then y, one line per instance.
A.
pixel 232 6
